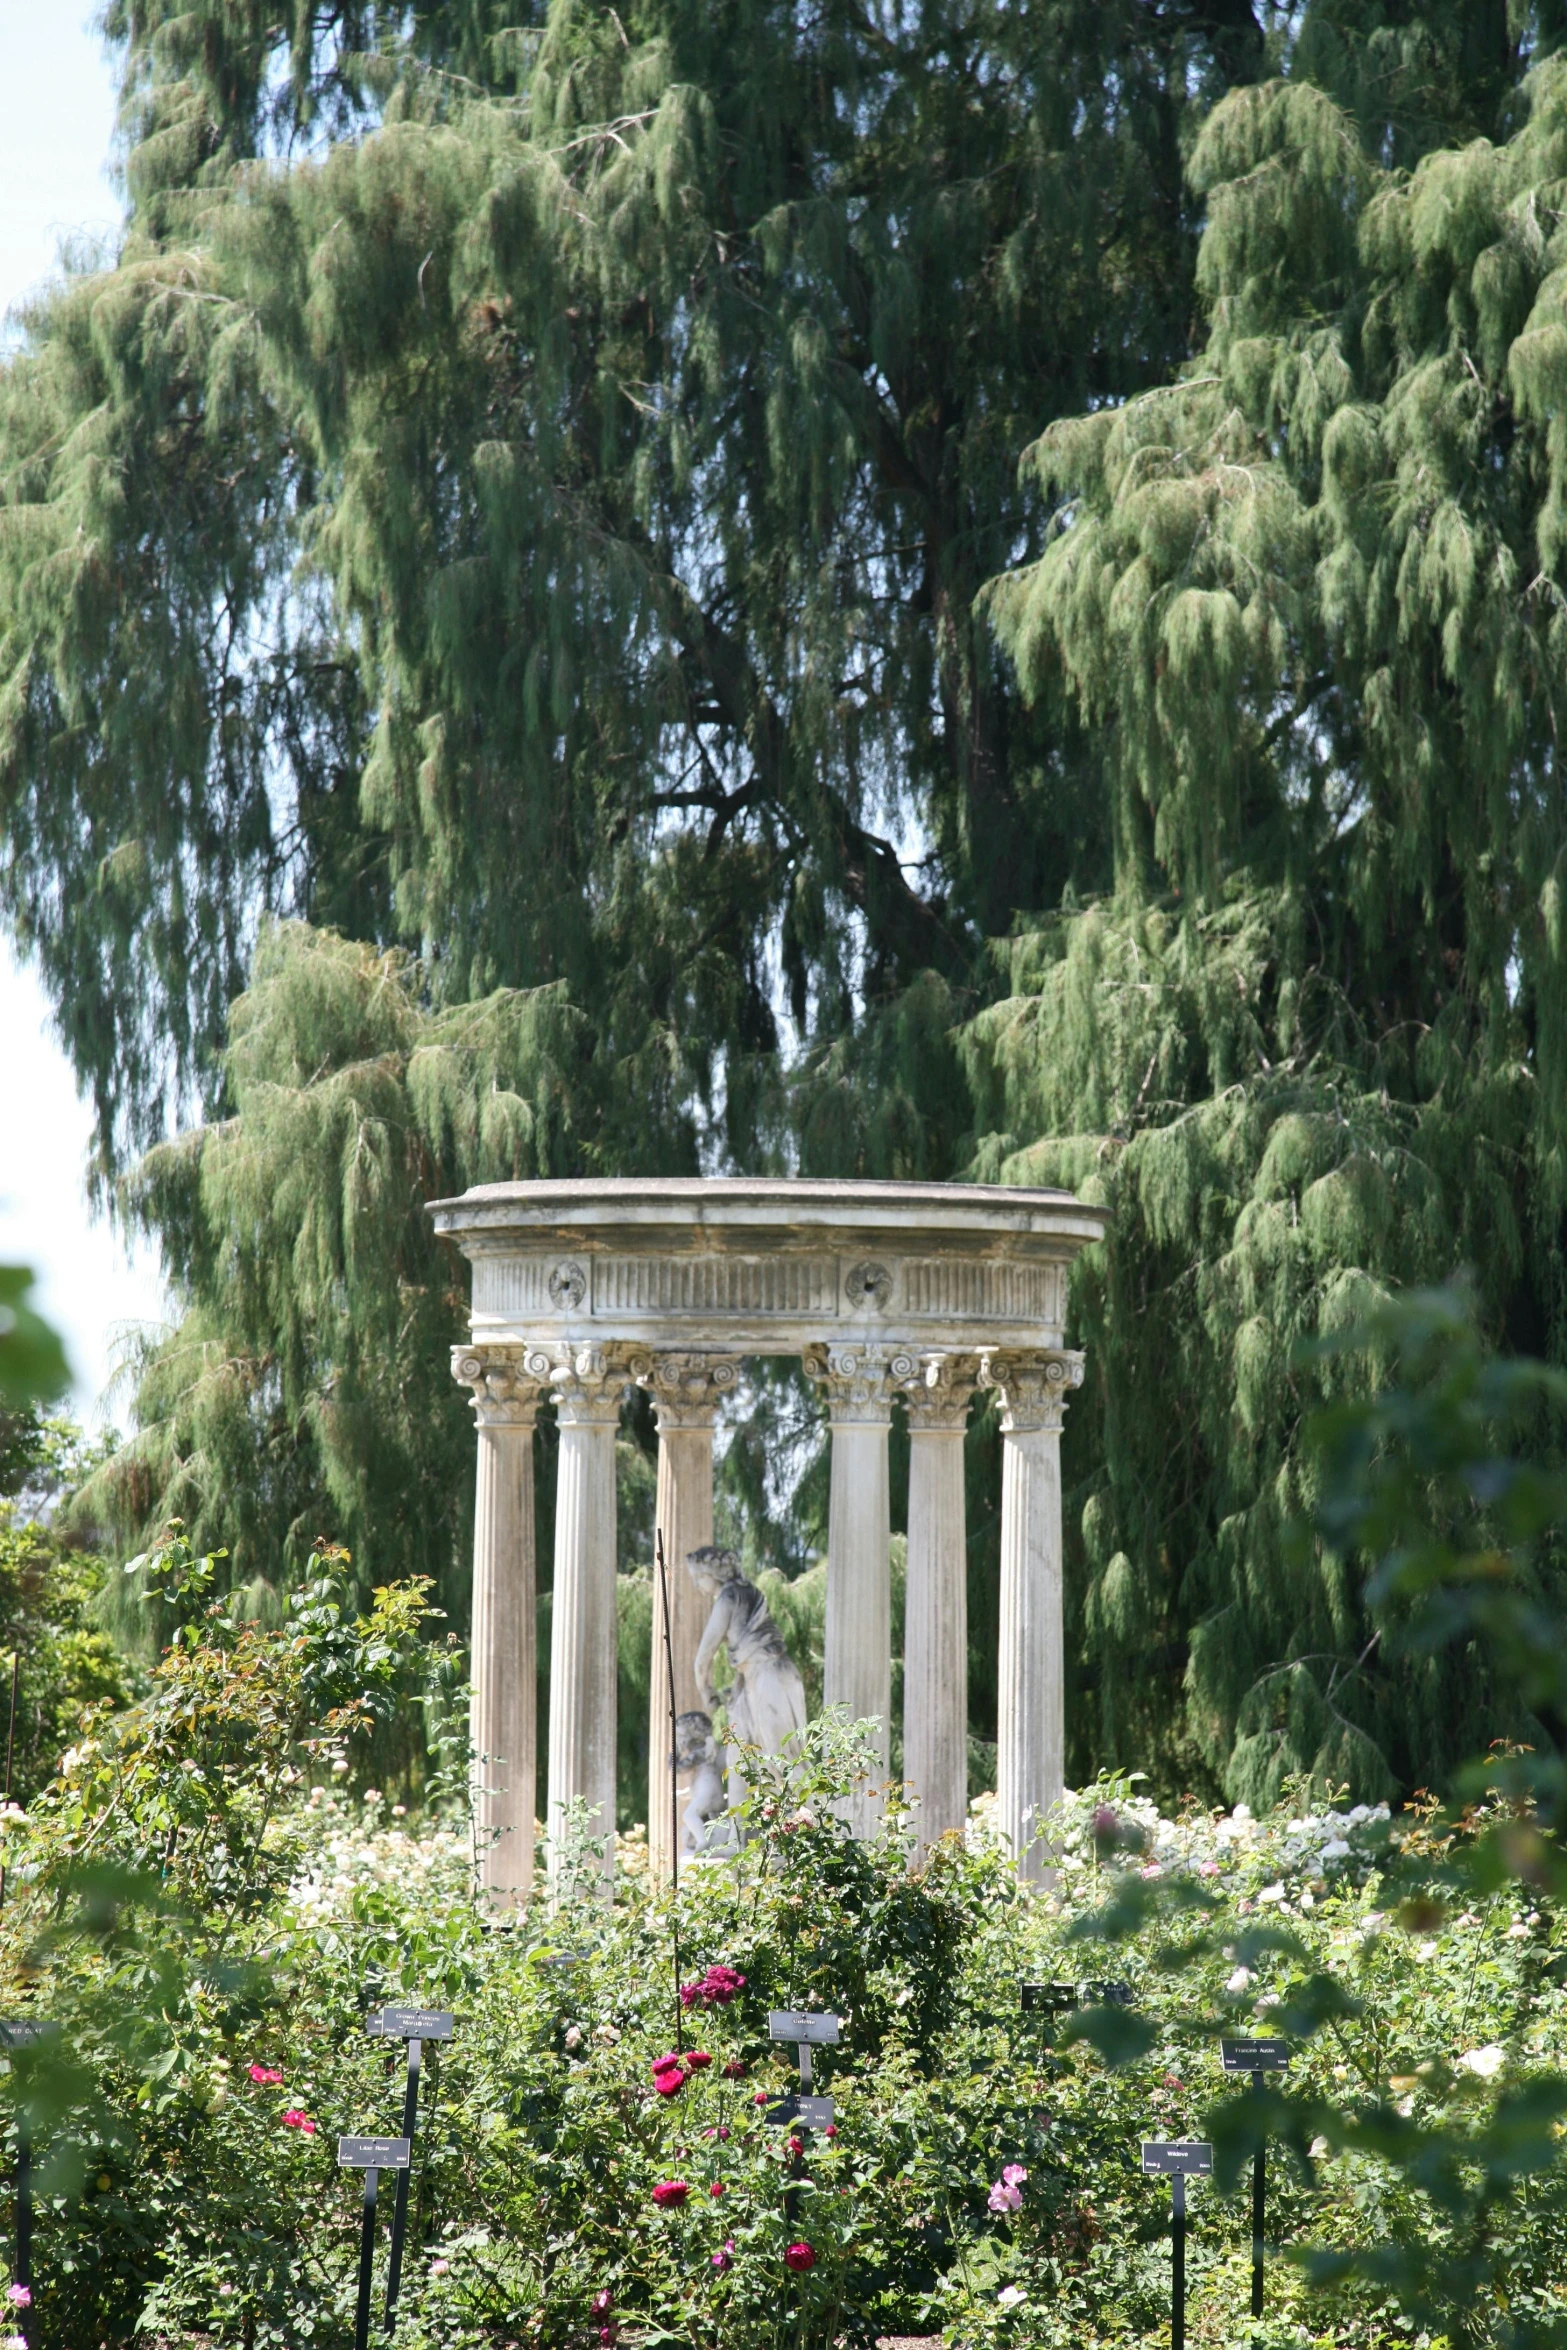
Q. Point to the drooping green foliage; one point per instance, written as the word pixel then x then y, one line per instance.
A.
pixel 525 490
pixel 308 1383
pixel 1310 593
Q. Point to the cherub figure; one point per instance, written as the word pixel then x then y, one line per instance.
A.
pixel 766 1699
pixel 696 1750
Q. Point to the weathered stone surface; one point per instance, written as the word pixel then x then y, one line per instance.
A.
pixel 931 1290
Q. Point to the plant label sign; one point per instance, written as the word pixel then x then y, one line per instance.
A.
pixel 1254 2056
pixel 797 2111
pixel 372 2153
pixel 410 2023
pixel 782 2024
pixel 1053 1998
pixel 25 2031
pixel 1190 2158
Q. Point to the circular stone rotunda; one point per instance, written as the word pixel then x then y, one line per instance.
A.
pixel 929 1291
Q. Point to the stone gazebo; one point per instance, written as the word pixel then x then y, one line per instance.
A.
pixel 931 1291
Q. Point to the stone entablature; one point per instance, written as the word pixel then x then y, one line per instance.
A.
pixel 780 1265
pixel 931 1292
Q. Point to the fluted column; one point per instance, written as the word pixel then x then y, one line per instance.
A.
pixel 935 1606
pixel 502 1648
pixel 588 1383
pixel 686 1390
pixel 1030 1729
pixel 857 1667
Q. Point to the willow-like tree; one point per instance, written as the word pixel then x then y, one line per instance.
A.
pixel 1311 594
pixel 523 496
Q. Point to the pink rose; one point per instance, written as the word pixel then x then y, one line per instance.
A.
pixel 726 2258
pixel 669 2194
pixel 603 2302
pixel 266 2075
pixel 760 2098
pixel 716 2189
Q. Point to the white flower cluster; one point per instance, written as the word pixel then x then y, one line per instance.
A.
pixel 1111 1821
pixel 350 1854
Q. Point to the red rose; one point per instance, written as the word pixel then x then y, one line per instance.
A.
pixel 799 2257
pixel 831 2130
pixel 669 2194
pixel 697 2058
pixel 716 2189
pixel 797 2146
pixel 734 2070
pixel 760 2098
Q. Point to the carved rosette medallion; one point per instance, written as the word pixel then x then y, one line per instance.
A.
pixel 499 1386
pixel 687 1388
pixel 938 1396
pixel 586 1382
pixel 1034 1388
pixel 568 1285
pixel 868 1285
pixel 860 1380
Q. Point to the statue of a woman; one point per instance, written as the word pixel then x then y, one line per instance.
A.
pixel 766 1699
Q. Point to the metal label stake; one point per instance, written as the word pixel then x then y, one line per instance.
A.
pixel 674 1789
pixel 805 2031
pixel 17 2032
pixel 414 2025
pixel 1257 2057
pixel 1178 2159
pixel 372 2156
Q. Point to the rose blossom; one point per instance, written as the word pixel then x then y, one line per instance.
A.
pixel 603 2302
pixel 19 2296
pixel 716 2189
pixel 734 2070
pixel 696 2058
pixel 799 2257
pixel 725 2259
pixel 266 2075
pixel 669 2194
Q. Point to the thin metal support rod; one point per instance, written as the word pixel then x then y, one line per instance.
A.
pixel 366 2264
pixel 674 1787
pixel 10 1757
pixel 1259 2205
pixel 24 2199
pixel 1178 2262
pixel 394 2275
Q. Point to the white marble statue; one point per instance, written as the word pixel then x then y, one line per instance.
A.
pixel 765 1701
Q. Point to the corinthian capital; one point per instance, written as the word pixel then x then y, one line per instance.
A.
pixel 502 1393
pixel 1034 1388
pixel 938 1395
pixel 687 1388
pixel 860 1380
pixel 585 1382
